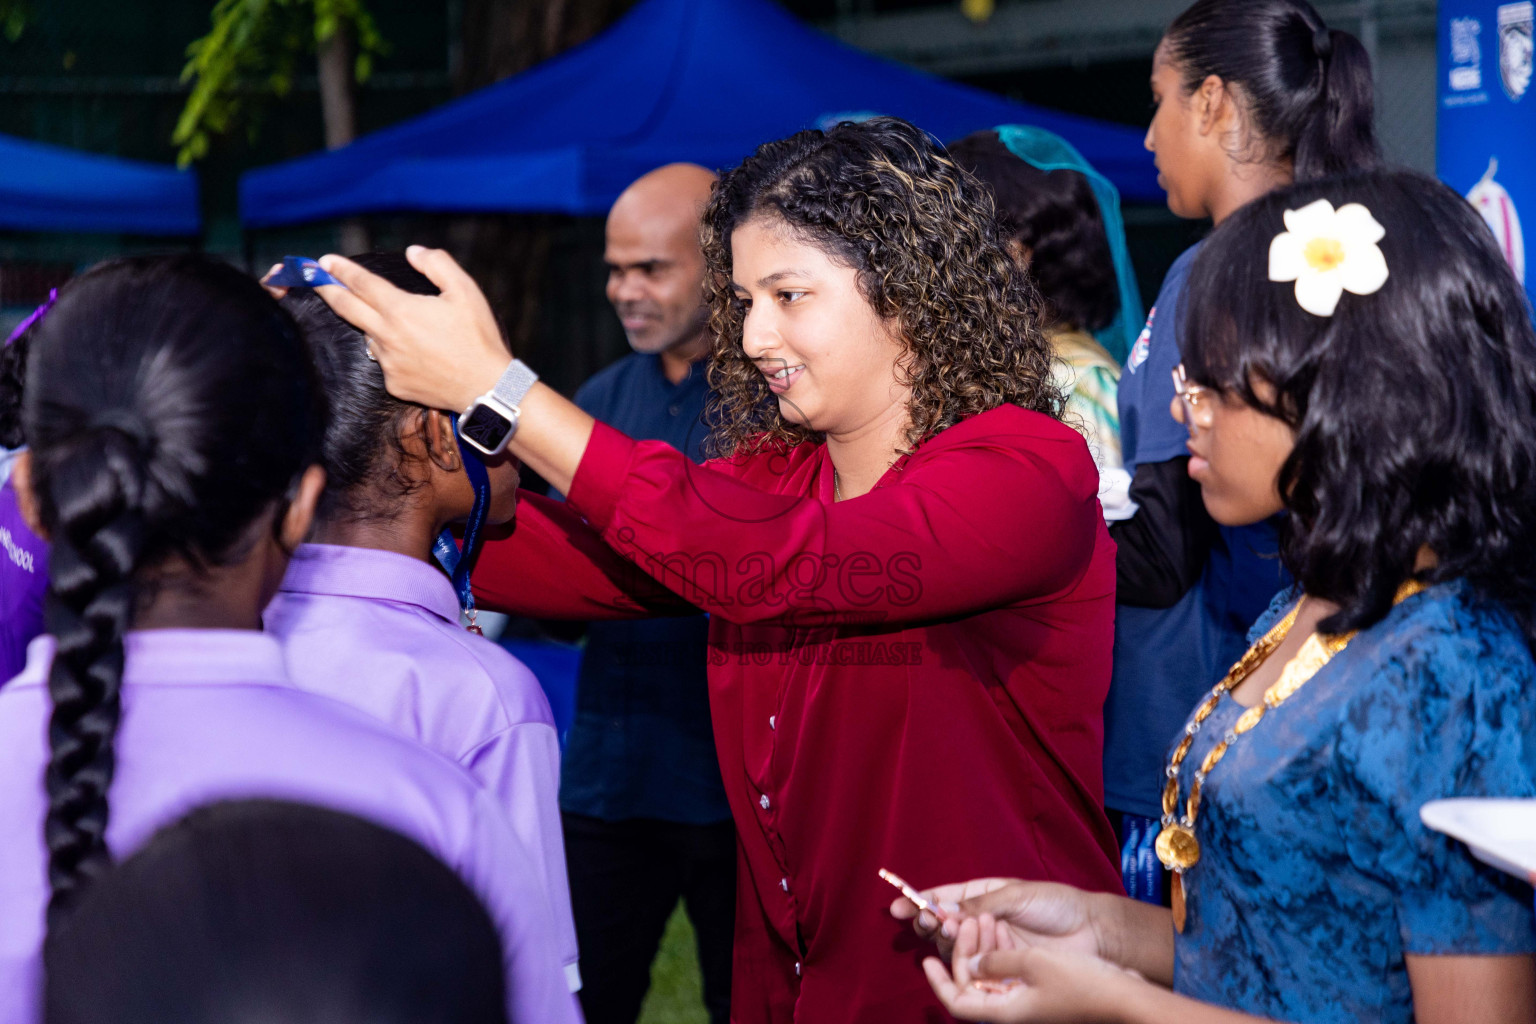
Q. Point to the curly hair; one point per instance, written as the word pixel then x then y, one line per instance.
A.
pixel 1411 406
pixel 884 199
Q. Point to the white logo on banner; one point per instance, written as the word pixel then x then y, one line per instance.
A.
pixel 1515 48
pixel 1466 54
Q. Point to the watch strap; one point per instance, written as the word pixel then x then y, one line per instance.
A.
pixel 513 384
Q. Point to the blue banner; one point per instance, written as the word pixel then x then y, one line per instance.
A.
pixel 1486 145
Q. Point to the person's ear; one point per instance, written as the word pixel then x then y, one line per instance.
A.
pixel 26 497
pixel 301 510
pixel 1020 252
pixel 1212 105
pixel 442 446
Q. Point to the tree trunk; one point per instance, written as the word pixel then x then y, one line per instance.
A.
pixel 338 109
pixel 508 253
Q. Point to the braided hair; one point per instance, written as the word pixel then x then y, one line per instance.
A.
pixel 170 404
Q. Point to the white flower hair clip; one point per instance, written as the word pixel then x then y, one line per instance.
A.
pixel 1328 252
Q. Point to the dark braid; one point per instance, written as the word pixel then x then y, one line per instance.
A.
pixel 169 404
pixel 96 547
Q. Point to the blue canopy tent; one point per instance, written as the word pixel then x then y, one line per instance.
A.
pixel 48 188
pixel 698 80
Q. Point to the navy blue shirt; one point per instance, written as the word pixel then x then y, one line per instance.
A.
pixel 1166 658
pixel 641 745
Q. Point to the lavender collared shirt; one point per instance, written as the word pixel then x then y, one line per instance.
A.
pixel 380 631
pixel 210 715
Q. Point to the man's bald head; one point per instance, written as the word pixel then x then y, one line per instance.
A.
pixel 676 191
pixel 655 269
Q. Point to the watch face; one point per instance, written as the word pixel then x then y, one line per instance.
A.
pixel 485 428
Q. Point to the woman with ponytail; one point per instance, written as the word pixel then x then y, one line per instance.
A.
pixel 1248 96
pixel 174 424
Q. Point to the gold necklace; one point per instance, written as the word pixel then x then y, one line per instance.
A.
pixel 1177 847
pixel 837 491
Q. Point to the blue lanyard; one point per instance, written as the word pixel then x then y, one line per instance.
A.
pixel 456 562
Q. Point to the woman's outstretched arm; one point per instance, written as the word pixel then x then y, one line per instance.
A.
pixel 1008 515
pixel 550 564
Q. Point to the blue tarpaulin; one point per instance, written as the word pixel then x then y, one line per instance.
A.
pixel 48 188
pixel 699 80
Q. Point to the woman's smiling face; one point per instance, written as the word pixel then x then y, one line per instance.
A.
pixel 830 359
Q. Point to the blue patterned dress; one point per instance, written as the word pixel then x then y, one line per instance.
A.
pixel 1316 875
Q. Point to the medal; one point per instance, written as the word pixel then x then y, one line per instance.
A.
pixel 1176 892
pixel 1178 848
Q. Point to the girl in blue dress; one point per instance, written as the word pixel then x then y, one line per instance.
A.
pixel 1357 355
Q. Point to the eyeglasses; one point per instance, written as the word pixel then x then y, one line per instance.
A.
pixel 1194 396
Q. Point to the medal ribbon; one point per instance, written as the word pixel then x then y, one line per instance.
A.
pixel 457 562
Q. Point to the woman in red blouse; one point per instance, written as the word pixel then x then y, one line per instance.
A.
pixel 900 546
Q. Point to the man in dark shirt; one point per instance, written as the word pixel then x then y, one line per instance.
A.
pixel 646 821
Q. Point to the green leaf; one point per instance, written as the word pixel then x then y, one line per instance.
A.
pixel 252 51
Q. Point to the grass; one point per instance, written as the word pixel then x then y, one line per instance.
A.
pixel 677 987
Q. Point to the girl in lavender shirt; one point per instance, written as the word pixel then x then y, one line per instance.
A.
pixel 366 617
pixel 174 424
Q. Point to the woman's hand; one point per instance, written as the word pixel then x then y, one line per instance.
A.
pixel 442 351
pixel 1034 984
pixel 947 898
pixel 1035 913
pixel 1048 915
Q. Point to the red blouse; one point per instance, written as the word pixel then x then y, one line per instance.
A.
pixel 911 679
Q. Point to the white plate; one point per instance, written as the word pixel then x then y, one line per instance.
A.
pixel 1499 832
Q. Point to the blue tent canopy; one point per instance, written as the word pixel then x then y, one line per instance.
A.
pixel 48 188
pixel 699 80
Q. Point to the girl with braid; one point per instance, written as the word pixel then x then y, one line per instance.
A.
pixel 174 424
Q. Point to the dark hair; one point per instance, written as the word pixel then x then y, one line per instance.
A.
pixel 169 404
pixel 363 453
pixel 1307 88
pixel 882 198
pixel 13 373
pixel 268 911
pixel 1056 217
pixel 1411 406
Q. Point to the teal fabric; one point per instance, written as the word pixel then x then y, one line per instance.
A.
pixel 1048 151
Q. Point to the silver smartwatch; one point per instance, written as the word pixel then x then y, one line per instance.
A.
pixel 491 420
